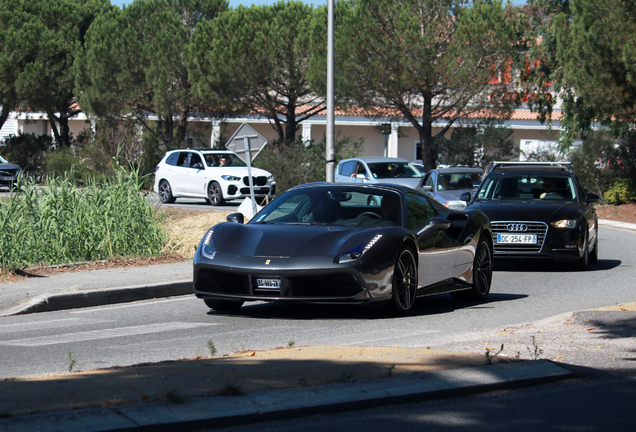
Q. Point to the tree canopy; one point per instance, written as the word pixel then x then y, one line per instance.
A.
pixel 424 61
pixel 40 39
pixel 134 65
pixel 257 60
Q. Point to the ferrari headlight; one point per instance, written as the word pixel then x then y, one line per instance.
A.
pixel 356 252
pixel 455 205
pixel 230 178
pixel 207 247
pixel 564 223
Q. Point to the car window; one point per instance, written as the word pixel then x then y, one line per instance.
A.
pixel 195 161
pixel 360 169
pixel 172 159
pixel 182 160
pixel 334 207
pixel 430 181
pixel 419 211
pixel 528 187
pixel 223 159
pixel 346 168
pixel 457 181
pixel 393 170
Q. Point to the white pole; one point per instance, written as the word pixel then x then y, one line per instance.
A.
pixel 330 156
pixel 248 158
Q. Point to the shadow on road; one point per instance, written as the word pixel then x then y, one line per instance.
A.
pixel 552 267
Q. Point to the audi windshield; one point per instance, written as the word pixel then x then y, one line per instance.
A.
pixel 525 187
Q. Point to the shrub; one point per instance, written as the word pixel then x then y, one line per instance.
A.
pixel 61 223
pixel 623 191
pixel 28 151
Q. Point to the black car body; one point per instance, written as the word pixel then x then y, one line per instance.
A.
pixel 8 173
pixel 538 210
pixel 323 243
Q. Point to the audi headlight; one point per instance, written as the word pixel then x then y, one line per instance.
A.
pixel 207 247
pixel 357 251
pixel 564 223
pixel 230 178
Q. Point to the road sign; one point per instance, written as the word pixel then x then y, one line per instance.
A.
pixel 236 143
pixel 247 143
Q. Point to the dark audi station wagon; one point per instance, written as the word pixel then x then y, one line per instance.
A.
pixel 538 210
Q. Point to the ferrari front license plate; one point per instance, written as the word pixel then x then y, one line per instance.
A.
pixel 268 283
pixel 517 238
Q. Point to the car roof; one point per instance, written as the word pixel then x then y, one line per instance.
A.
pixel 381 186
pixel 375 159
pixel 531 166
pixel 458 170
pixel 203 150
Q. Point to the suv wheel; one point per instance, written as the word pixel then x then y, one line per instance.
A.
pixel 215 195
pixel 165 192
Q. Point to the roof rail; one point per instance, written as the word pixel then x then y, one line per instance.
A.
pixel 499 164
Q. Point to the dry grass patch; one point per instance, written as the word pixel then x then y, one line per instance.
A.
pixel 186 227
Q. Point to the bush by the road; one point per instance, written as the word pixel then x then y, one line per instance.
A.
pixel 61 223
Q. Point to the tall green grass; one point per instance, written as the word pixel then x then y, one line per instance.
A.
pixel 61 223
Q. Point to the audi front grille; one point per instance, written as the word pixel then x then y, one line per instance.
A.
pixel 519 227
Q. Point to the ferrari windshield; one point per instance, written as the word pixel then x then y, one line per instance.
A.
pixel 527 187
pixel 333 206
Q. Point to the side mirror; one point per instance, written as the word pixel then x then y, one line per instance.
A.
pixel 465 197
pixel 436 224
pixel 236 218
pixel 427 188
pixel 591 198
pixel 361 176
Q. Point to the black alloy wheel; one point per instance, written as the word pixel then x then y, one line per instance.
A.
pixel 482 274
pixel 404 282
pixel 215 195
pixel 223 305
pixel 165 192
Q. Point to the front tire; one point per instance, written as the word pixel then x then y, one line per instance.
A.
pixel 223 305
pixel 584 262
pixel 404 282
pixel 594 253
pixel 165 193
pixel 482 274
pixel 215 195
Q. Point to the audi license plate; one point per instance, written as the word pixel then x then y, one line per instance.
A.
pixel 517 238
pixel 268 283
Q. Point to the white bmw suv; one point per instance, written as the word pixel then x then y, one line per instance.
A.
pixel 214 175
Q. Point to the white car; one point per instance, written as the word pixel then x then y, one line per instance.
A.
pixel 214 175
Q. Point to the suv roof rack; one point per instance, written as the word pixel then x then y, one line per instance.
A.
pixel 496 165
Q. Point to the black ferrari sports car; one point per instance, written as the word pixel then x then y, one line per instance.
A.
pixel 332 243
pixel 538 210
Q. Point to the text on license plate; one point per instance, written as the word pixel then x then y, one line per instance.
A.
pixel 517 238
pixel 268 283
pixel 8 177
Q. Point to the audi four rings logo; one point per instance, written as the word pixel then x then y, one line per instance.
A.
pixel 517 227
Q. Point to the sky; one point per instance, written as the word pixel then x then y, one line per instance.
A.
pixel 235 3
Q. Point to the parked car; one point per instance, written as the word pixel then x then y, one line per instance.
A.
pixel 338 249
pixel 214 175
pixel 445 185
pixel 378 170
pixel 538 210
pixel 8 173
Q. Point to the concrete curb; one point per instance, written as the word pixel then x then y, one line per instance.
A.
pixel 615 224
pixel 223 411
pixel 80 299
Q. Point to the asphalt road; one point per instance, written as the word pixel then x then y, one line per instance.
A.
pixel 183 327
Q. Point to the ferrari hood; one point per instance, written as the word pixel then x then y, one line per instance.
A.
pixel 266 240
pixel 527 210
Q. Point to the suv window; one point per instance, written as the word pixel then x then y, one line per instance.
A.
pixel 172 159
pixel 346 169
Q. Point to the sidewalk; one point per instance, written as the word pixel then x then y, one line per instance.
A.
pixel 228 390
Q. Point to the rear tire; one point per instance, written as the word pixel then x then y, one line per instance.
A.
pixel 223 305
pixel 404 282
pixel 482 274
pixel 215 195
pixel 165 193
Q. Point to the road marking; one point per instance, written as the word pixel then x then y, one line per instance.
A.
pixel 56 323
pixel 138 303
pixel 103 334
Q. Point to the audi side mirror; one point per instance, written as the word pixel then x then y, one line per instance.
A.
pixel 465 197
pixel 591 198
